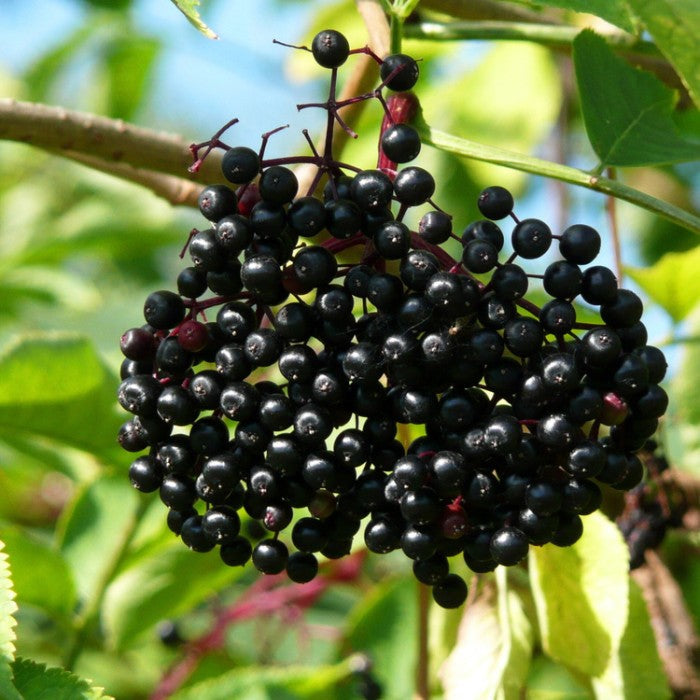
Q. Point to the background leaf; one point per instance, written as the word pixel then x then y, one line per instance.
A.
pixel 163 585
pixel 672 282
pixel 37 682
pixel 291 683
pixel 627 111
pixel 614 11
pixel 189 9
pixel 34 564
pixel 56 386
pixel 580 595
pixel 391 608
pixel 92 529
pixel 675 27
pixel 636 672
pixel 494 644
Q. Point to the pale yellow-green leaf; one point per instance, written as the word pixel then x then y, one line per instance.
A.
pixel 635 672
pixel 494 645
pixel 673 282
pixel 581 596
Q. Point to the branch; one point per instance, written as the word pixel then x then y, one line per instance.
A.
pixel 174 190
pixel 565 173
pixel 676 638
pixel 125 150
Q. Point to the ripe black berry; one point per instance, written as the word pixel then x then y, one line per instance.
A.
pixel 495 202
pixel 330 48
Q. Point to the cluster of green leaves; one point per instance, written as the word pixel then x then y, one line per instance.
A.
pixel 89 570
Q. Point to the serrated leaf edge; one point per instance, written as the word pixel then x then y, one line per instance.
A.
pixel 97 693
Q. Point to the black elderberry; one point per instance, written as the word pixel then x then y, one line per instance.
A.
pixel 240 165
pixel 495 202
pixel 402 68
pixel 163 309
pixel 563 280
pixel 267 220
pixel 302 567
pixel 307 216
pixel 413 186
pixel 400 143
pixel 278 185
pixel 392 240
pixel 479 256
pixel 435 227
pixel 523 336
pixel 599 285
pixel 217 201
pixel 237 552
pixel 451 592
pixel 330 48
pixel 270 556
pixel 531 238
pixel 557 316
pixel 508 546
pixel 580 244
pixel 371 190
pixel 624 311
pixel 145 474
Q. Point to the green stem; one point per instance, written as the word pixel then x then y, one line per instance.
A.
pixel 546 34
pixel 395 33
pixel 94 604
pixel 565 173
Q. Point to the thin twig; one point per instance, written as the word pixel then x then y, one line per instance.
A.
pixel 611 209
pixel 423 663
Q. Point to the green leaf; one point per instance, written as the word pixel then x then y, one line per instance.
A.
pixel 494 645
pixel 33 564
pixel 390 607
pixel 548 680
pixel 189 9
pixel 673 282
pixel 8 607
pixel 614 11
pixel 168 583
pixel 636 672
pixel 267 683
pixel 627 112
pixel 683 421
pixel 54 385
pixel 675 27
pixel 128 63
pixel 92 529
pixel 37 682
pixel 580 594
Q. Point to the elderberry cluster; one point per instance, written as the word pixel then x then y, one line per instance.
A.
pixel 310 330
